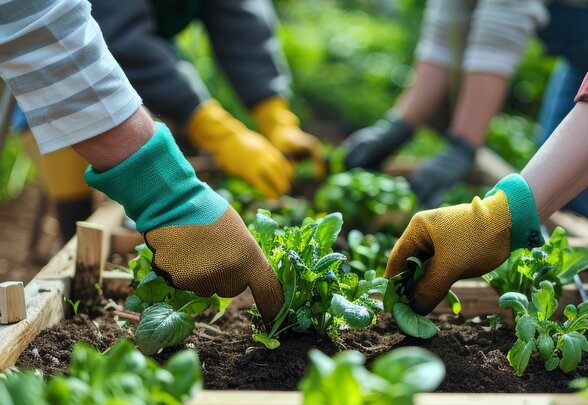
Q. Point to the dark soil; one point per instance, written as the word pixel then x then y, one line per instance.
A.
pixel 474 355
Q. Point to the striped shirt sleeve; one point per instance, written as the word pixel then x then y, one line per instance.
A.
pixel 55 61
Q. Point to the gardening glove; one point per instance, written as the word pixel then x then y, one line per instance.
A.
pixel 282 128
pixel 62 177
pixel 368 147
pixel 466 240
pixel 199 242
pixel 442 171
pixel 238 150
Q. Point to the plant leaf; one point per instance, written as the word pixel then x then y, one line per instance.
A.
pixel 519 354
pixel 412 323
pixel 263 338
pixel 160 326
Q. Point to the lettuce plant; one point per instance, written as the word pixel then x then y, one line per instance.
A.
pixel 559 344
pixel 395 377
pixel 368 252
pixel 524 271
pixel 318 295
pixel 166 312
pixel 121 376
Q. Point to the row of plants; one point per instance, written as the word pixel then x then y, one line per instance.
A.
pixel 123 375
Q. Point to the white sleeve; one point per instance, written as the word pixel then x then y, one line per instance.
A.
pixel 55 61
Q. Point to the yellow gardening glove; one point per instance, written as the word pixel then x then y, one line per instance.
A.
pixel 466 240
pixel 238 150
pixel 282 128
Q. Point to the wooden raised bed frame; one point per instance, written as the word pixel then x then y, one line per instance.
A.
pixel 45 306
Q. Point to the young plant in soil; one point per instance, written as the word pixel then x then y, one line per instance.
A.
pixel 318 295
pixel 558 344
pixel 166 312
pixel 555 262
pixel 395 377
pixel 368 252
pixel 397 298
pixel 363 197
pixel 122 376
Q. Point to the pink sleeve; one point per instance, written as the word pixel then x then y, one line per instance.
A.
pixel 583 91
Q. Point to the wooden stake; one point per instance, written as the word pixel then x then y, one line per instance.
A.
pixel 12 302
pixel 90 258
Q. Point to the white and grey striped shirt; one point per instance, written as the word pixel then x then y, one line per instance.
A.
pixel 56 63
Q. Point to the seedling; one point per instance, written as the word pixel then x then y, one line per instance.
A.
pixel 395 377
pixel 166 312
pixel 318 295
pixel 524 271
pixel 121 376
pixel 74 305
pixel 558 344
pixel 399 291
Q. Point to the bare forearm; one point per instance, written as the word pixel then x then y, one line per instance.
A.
pixel 559 170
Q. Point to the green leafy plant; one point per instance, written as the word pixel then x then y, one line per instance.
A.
pixel 399 291
pixel 395 377
pixel 317 294
pixel 524 271
pixel 582 385
pixel 16 168
pixel 558 344
pixel 166 312
pixel 368 199
pixel 368 252
pixel 74 305
pixel 121 376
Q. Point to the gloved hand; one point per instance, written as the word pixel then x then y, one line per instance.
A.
pixel 442 171
pixel 240 151
pixel 466 240
pixel 369 147
pixel 282 128
pixel 199 242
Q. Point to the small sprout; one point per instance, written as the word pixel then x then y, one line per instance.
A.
pixel 74 305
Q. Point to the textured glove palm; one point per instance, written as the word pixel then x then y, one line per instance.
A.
pixel 199 242
pixel 240 151
pixel 466 240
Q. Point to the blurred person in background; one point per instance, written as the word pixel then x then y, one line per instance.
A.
pixel 475 45
pixel 140 35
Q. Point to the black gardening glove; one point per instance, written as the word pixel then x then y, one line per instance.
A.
pixel 443 171
pixel 368 147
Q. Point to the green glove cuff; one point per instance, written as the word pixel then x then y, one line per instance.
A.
pixel 158 187
pixel 526 228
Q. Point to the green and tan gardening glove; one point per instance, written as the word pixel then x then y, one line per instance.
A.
pixel 199 242
pixel 466 240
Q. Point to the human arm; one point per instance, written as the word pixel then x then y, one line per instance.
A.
pixel 469 240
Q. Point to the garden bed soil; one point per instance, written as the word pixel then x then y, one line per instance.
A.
pixel 474 355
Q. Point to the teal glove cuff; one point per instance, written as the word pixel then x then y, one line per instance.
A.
pixel 158 187
pixel 526 229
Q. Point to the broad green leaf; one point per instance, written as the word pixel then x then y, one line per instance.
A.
pixel 326 261
pixel 515 301
pixel 263 338
pixel 356 316
pixel 519 354
pixel 526 328
pixel 135 304
pixel 570 312
pixel 546 346
pixel 141 265
pixel 544 301
pixel 187 301
pixel 571 351
pixel 327 231
pixel 160 326
pixel 304 319
pixel 415 367
pixel 551 363
pixel 152 289
pixel 220 303
pixel 412 323
pixel 264 228
pixel 187 378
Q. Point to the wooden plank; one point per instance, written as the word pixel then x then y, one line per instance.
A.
pixel 44 294
pixel 295 398
pixel 90 258
pixel 12 302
